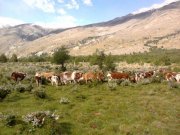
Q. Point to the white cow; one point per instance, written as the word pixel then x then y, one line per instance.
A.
pixel 55 80
pixel 177 77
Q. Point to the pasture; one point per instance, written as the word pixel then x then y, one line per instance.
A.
pixel 89 109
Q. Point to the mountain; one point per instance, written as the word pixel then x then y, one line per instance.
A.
pixel 122 35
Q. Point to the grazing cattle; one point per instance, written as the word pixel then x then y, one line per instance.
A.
pixel 91 76
pixel 38 79
pixel 69 77
pixel 117 76
pixel 18 76
pixel 55 80
pixel 143 75
pixel 139 76
pixel 148 74
pixel 47 75
pixel 132 79
pixel 177 77
pixel 170 76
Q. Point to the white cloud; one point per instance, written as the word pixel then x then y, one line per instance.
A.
pixel 61 11
pixel 64 21
pixel 154 6
pixel 6 21
pixel 72 5
pixel 87 2
pixel 60 1
pixel 44 5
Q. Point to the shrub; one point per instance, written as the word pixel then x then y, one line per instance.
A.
pixel 125 83
pixel 37 118
pixel 40 94
pixel 4 92
pixel 173 84
pixel 144 81
pixel 112 85
pixel 10 120
pixel 64 100
pixel 13 58
pixel 3 58
pixel 156 79
pixel 29 88
pixel 20 88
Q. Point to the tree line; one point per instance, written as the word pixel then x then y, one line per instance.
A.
pixel 105 62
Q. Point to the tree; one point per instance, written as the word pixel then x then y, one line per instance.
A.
pixel 109 63
pixel 60 57
pixel 14 58
pixel 3 58
pixel 104 62
pixel 98 59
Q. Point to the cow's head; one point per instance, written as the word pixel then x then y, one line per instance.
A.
pixel 109 76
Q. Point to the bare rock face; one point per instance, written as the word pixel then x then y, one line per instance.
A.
pixel 122 35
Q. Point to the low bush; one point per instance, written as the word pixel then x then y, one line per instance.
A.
pixel 112 85
pixel 64 100
pixel 125 83
pixel 4 92
pixel 10 120
pixel 38 118
pixel 40 94
pixel 173 84
pixel 29 87
pixel 144 81
pixel 156 79
pixel 20 88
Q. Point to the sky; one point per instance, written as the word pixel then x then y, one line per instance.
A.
pixel 70 13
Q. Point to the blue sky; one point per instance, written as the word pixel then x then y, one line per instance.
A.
pixel 68 13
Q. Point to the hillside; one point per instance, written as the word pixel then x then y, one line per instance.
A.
pixel 122 35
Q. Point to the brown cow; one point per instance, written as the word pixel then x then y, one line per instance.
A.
pixel 47 75
pixel 91 76
pixel 18 76
pixel 117 76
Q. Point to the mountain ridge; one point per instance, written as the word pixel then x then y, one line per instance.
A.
pixel 122 35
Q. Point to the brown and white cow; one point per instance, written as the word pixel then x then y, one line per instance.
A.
pixel 38 78
pixel 91 76
pixel 47 75
pixel 117 76
pixel 170 76
pixel 69 77
pixel 143 75
pixel 18 76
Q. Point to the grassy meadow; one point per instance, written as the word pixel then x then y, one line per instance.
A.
pixel 90 109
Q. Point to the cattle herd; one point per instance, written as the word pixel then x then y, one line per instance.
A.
pixel 78 77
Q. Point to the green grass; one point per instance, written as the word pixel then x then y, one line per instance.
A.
pixel 151 109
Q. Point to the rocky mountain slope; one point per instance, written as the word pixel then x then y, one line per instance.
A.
pixel 122 35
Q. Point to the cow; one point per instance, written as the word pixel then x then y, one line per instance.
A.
pixel 69 77
pixel 38 79
pixel 55 80
pixel 18 76
pixel 143 75
pixel 91 76
pixel 170 76
pixel 177 77
pixel 117 76
pixel 47 75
